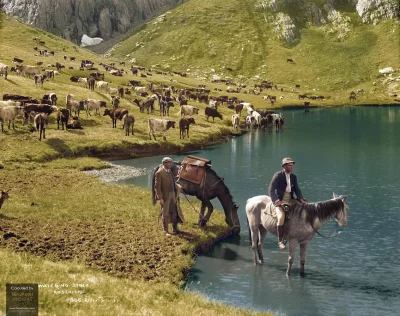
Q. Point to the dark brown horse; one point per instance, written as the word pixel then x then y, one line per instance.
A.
pixel 214 187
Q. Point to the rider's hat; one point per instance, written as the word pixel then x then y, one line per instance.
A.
pixel 167 159
pixel 287 160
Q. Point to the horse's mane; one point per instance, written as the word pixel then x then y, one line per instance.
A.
pixel 322 210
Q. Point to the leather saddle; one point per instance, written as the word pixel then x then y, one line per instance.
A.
pixel 193 169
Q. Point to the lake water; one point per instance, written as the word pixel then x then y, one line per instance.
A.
pixel 354 152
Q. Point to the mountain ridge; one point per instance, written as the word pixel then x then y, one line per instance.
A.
pixel 70 19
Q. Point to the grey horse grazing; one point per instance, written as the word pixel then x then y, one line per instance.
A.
pixel 300 228
pixel 214 188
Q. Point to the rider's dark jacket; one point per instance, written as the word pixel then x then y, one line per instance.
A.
pixel 278 184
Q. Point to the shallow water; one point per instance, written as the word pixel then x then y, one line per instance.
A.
pixel 354 152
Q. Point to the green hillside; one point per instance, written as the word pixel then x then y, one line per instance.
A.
pixel 202 35
pixel 67 228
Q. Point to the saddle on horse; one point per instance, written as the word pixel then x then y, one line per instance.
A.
pixel 194 168
pixel 272 212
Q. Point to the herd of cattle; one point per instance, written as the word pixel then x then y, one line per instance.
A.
pixel 147 96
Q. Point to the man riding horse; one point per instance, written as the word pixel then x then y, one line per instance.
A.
pixel 281 189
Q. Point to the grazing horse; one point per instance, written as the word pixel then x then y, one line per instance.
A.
pixel 300 227
pixel 212 187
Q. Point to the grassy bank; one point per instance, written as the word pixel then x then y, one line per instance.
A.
pixel 60 226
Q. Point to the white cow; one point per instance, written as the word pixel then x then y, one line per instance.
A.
pixel 139 90
pixel 247 107
pixel 9 103
pixel 257 117
pixel 3 70
pixel 84 82
pixel 112 91
pixel 93 104
pixel 9 113
pixel 214 104
pixel 72 104
pixel 188 110
pixel 250 121
pixel 159 125
pixel 27 70
pixel 102 85
pixel 235 121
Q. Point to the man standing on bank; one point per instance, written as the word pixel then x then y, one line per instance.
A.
pixel 281 189
pixel 167 192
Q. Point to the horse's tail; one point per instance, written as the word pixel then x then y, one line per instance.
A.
pixel 153 181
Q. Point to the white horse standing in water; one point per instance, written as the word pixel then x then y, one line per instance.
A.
pixel 299 228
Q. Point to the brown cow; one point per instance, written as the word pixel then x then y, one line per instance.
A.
pixel 63 116
pixel 115 114
pixel 184 124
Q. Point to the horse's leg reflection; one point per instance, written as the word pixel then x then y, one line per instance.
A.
pixel 292 249
pixel 303 252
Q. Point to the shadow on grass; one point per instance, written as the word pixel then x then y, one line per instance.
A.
pixel 2 216
pixel 89 122
pixel 59 145
pixel 12 82
pixel 76 131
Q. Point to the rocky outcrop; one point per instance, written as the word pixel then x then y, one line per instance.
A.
pixel 373 11
pixel 285 28
pixel 338 23
pixel 71 19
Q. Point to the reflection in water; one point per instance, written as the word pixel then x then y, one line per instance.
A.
pixel 347 151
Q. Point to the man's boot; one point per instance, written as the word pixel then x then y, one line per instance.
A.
pixel 165 226
pixel 280 237
pixel 175 220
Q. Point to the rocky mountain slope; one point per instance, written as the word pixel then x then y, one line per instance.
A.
pixel 334 43
pixel 71 19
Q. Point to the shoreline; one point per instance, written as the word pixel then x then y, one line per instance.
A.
pixel 150 150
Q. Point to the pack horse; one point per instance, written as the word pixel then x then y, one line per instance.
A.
pixel 196 178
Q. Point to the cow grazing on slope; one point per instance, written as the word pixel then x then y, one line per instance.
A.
pixel 3 70
pixel 102 85
pixel 213 113
pixel 27 70
pixel 188 110
pixel 129 122
pixel 38 108
pixel 93 104
pixel 41 120
pixel 9 113
pixel 72 104
pixel 63 116
pixel 115 114
pixel 159 125
pixel 235 121
pixel 50 98
pixel 184 124
pixel 39 79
